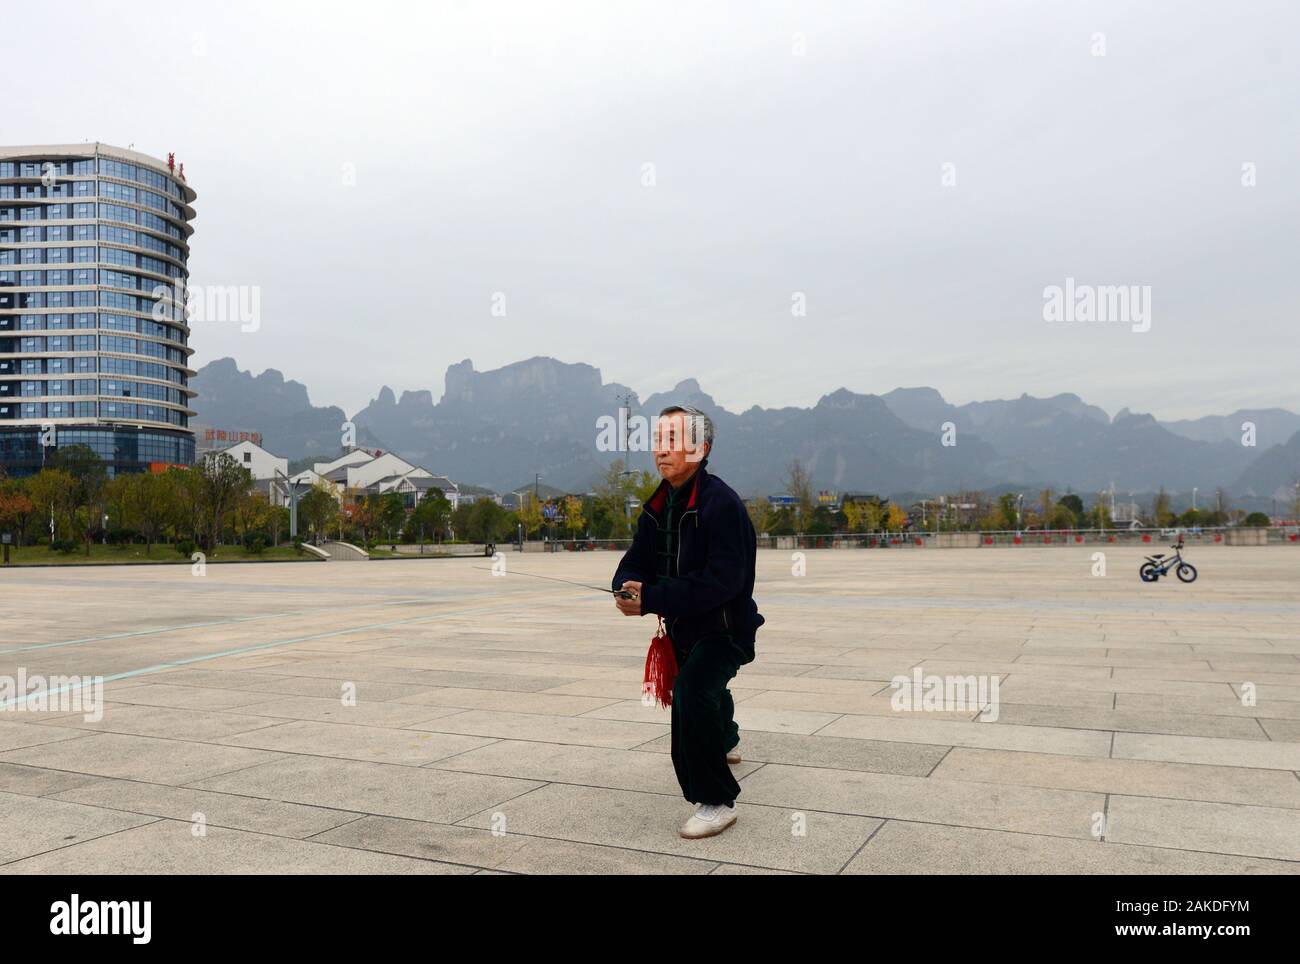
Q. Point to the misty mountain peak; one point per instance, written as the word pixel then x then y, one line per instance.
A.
pixel 921 393
pixel 422 398
pixel 843 398
pixel 541 415
pixel 1133 419
pixel 538 377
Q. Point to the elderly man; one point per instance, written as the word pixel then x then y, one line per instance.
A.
pixel 692 563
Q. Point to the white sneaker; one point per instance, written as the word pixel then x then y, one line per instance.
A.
pixel 708 819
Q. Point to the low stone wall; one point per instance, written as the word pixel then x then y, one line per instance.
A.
pixel 1246 537
pixel 957 540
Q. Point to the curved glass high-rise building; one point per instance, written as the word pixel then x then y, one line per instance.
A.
pixel 94 243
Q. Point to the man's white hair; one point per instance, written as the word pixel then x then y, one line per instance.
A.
pixel 698 427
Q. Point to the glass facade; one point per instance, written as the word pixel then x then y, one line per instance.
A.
pixel 94 246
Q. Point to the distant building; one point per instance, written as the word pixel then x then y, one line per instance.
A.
pixel 264 466
pixel 1125 515
pixel 380 473
pixel 828 500
pixel 90 354
pixel 209 438
pixel 469 494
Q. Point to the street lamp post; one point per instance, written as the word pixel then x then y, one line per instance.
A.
pixel 292 488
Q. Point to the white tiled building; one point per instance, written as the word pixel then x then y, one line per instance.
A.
pixel 379 473
pixel 264 467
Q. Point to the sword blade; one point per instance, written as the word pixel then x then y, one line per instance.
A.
pixel 567 582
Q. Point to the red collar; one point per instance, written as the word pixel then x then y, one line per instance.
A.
pixel 656 501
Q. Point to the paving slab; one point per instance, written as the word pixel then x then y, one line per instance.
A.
pixel 139 757
pixel 481 700
pixel 1185 781
pixel 377 788
pixel 1218 827
pixel 34 825
pixel 1063 813
pixel 647 821
pixel 901 847
pixel 170 847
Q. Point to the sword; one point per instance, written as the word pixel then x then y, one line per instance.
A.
pixel 620 593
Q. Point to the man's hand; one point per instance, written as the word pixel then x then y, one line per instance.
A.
pixel 630 607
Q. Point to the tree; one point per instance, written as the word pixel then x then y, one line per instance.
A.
pixel 612 494
pixel 853 516
pixel 278 520
pixel 873 514
pixel 251 514
pixel 798 484
pixel 781 523
pixel 85 501
pixel 432 515
pixel 1258 520
pixel 574 519
pixel 53 491
pixel 1045 506
pixel 319 509
pixel 1075 505
pixel 611 499
pixel 222 482
pixel 16 507
pixel 359 513
pixel 187 510
pixel 489 522
pixel 1160 510
pixel 147 503
pixel 896 518
pixel 1010 513
pixel 390 513
pixel 822 522
pixel 530 514
pixel 1062 517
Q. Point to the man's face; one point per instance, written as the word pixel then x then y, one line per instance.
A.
pixel 676 456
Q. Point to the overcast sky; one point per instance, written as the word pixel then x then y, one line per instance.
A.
pixel 383 170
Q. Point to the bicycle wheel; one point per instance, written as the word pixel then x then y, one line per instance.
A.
pixel 1187 572
pixel 1149 572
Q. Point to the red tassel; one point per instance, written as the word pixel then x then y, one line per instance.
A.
pixel 660 668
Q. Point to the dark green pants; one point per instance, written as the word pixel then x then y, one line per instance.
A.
pixel 703 725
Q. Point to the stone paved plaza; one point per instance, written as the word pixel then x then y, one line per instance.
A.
pixel 498 725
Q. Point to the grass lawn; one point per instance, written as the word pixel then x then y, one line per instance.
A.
pixel 42 556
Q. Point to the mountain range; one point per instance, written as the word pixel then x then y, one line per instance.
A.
pixel 498 428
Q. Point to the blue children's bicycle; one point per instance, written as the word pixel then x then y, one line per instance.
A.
pixel 1157 565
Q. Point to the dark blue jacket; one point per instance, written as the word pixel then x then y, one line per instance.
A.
pixel 713 591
